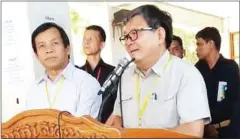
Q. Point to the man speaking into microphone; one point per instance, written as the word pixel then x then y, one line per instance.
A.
pixel 159 90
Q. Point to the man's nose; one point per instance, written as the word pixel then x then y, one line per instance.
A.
pixel 88 41
pixel 49 49
pixel 128 42
pixel 196 49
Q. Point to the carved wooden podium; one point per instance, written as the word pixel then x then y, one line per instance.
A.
pixel 44 124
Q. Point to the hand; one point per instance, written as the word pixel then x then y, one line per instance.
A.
pixel 109 121
pixel 210 131
pixel 114 121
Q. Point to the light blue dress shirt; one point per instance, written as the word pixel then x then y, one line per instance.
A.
pixel 76 94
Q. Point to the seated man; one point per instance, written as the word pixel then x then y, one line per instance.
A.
pixel 159 91
pixel 63 87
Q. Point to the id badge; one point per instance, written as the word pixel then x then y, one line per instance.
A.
pixel 222 87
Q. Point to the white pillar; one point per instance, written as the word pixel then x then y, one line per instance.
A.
pixel 17 63
pixel 225 35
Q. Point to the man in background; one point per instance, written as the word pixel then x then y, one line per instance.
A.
pixel 235 121
pixel 221 76
pixel 176 47
pixel 93 43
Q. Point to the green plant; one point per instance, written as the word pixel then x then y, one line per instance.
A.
pixel 78 24
pixel 74 21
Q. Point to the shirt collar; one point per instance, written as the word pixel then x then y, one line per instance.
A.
pixel 158 68
pixel 219 61
pixel 66 73
pixel 88 67
pixel 220 57
pixel 162 63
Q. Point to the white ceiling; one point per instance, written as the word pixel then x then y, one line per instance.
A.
pixel 229 10
pixel 221 9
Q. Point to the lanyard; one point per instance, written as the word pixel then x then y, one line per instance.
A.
pixel 142 109
pixel 56 93
pixel 98 74
pixel 145 101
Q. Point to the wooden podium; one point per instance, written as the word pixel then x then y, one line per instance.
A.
pixel 44 124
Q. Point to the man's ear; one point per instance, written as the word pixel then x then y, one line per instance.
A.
pixel 212 44
pixel 102 45
pixel 36 55
pixel 68 50
pixel 161 35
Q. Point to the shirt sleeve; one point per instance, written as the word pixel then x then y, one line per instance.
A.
pixel 89 102
pixel 192 102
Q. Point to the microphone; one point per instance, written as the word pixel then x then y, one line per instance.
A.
pixel 116 73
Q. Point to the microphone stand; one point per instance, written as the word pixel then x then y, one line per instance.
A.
pixel 100 113
pixel 100 117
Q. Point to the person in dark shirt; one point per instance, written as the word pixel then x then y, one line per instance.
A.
pixel 235 121
pixel 221 76
pixel 93 42
pixel 176 47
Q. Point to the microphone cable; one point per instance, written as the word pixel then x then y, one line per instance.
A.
pixel 120 93
pixel 59 126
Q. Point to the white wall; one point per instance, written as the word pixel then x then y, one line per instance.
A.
pixel 234 24
pixel 118 50
pixel 17 62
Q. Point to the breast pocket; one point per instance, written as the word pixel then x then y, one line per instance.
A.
pixel 162 112
pixel 129 110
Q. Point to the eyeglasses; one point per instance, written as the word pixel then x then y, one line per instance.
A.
pixel 132 35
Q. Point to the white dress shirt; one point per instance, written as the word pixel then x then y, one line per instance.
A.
pixel 179 96
pixel 76 93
